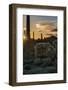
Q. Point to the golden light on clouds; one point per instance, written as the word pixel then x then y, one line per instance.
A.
pixel 37 25
pixel 47 30
pixel 45 26
pixel 44 29
pixel 40 25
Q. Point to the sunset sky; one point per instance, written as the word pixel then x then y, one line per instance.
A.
pixel 41 24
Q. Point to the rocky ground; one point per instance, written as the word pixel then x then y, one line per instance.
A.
pixel 40 56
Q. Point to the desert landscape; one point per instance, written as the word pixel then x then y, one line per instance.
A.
pixel 40 46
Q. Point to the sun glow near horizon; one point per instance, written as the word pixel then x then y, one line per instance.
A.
pixel 45 25
pixel 45 30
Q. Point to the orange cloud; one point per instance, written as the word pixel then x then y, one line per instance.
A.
pixel 47 30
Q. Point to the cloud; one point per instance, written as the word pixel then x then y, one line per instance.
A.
pixel 47 29
pixel 45 26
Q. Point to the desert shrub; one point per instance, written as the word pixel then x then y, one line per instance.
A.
pixel 54 62
pixel 27 66
pixel 37 61
pixel 25 71
pixel 46 62
pixel 28 61
pixel 51 69
pixel 35 70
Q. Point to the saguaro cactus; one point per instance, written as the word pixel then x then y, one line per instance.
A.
pixel 28 27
